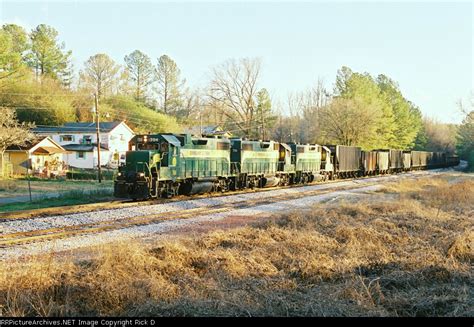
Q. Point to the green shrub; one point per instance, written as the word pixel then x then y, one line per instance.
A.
pixel 89 174
pixel 45 103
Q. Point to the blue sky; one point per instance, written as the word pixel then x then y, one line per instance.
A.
pixel 427 47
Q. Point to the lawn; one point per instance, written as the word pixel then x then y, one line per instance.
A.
pixel 19 187
pixel 66 198
pixel 406 251
pixel 51 193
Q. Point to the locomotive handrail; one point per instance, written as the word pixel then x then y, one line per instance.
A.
pixel 149 169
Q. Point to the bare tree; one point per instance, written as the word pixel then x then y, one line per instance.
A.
pixel 234 86
pixel 192 104
pixel 440 136
pixel 311 103
pixel 12 132
pixel 294 103
pixel 100 73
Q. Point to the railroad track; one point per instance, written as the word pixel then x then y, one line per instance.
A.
pixel 118 204
pixel 50 234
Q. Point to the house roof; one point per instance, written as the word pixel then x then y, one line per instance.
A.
pixel 48 150
pixel 41 145
pixel 27 146
pixel 84 147
pixel 87 127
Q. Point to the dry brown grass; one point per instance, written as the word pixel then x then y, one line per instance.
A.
pixel 411 257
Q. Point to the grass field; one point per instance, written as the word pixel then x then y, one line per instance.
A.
pixel 52 193
pixel 407 251
pixel 65 198
pixel 19 187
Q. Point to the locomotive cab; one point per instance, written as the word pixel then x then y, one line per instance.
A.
pixel 286 160
pixel 149 158
pixel 327 167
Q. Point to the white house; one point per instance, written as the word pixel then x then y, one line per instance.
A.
pixel 80 140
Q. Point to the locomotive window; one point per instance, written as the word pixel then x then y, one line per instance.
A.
pixel 148 146
pixel 223 146
pixel 276 146
pixel 199 142
pixel 164 147
pixel 264 145
pixel 300 149
pixel 247 147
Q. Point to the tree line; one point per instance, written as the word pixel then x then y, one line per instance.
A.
pixel 38 82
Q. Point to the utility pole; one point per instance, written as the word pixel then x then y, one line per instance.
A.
pixel 200 122
pixel 99 172
pixel 263 123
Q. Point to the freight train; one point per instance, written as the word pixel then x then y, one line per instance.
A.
pixel 166 165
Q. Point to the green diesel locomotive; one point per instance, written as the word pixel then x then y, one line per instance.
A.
pixel 165 165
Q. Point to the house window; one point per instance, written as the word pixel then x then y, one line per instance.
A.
pixel 122 137
pixel 87 139
pixel 80 155
pixel 67 138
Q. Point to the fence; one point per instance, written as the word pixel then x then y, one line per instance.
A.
pixel 6 170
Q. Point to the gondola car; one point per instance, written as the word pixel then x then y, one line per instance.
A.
pixel 419 160
pixel 346 160
pixel 406 160
pixel 396 160
pixel 452 160
pixel 383 163
pixel 369 162
pixel 437 160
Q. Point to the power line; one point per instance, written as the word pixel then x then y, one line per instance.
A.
pixel 26 107
pixel 130 117
pixel 45 95
pixel 127 115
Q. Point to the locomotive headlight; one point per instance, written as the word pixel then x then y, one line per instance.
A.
pixel 119 174
pixel 141 175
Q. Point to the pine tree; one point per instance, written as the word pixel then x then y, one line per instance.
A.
pixel 170 85
pixel 141 73
pixel 47 56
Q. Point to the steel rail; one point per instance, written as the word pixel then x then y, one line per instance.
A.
pixel 41 235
